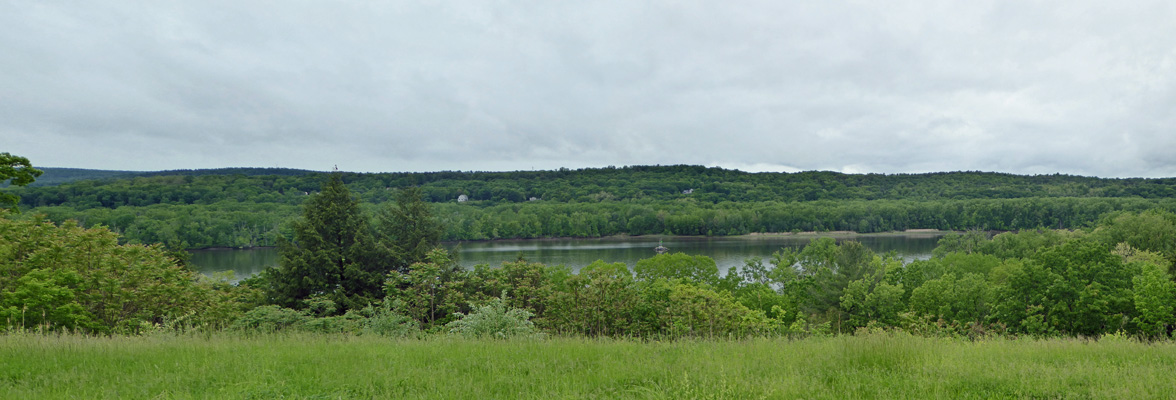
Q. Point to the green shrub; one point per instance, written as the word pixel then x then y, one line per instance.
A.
pixel 384 321
pixel 602 300
pixel 369 320
pixel 696 270
pixel 69 278
pixel 348 323
pixel 698 312
pixel 271 319
pixel 493 320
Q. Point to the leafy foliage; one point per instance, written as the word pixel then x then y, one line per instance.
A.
pixel 699 312
pixel 381 321
pixel 271 318
pixel 348 269
pixel 71 278
pixel 1152 230
pixel 1155 301
pixel 493 320
pixel 602 300
pixel 695 269
pixel 197 209
pixel 17 171
pixel 385 321
pixel 430 292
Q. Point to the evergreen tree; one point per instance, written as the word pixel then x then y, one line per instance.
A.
pixel 408 230
pixel 333 254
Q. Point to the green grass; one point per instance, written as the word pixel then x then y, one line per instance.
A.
pixel 328 367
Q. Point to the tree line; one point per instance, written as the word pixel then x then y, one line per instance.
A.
pixel 249 207
pixel 238 224
pixel 634 183
pixel 351 268
pixel 729 218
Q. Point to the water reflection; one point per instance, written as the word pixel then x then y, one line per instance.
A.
pixel 243 262
pixel 726 251
pixel 576 253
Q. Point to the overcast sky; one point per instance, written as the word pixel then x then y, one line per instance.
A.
pixel 1030 87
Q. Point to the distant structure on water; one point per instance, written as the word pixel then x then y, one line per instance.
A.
pixel 661 249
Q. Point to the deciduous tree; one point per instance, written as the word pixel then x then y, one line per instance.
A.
pixel 19 172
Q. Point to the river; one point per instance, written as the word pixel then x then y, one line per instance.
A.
pixel 576 253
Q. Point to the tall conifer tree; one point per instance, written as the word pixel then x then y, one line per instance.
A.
pixel 408 228
pixel 333 254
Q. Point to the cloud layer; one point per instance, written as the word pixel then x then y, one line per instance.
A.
pixel 1080 87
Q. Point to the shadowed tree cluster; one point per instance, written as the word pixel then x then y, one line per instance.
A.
pixel 338 255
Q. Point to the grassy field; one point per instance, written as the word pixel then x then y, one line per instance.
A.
pixel 328 367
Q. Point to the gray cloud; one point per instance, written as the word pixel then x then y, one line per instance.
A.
pixel 910 86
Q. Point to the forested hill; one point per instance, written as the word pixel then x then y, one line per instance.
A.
pixel 711 185
pixel 54 176
pixel 249 207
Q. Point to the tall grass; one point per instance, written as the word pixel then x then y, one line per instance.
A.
pixel 312 366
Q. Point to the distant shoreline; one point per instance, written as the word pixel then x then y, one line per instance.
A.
pixel 752 235
pixel 223 248
pixel 927 232
pixel 814 234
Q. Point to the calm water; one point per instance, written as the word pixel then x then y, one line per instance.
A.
pixel 726 251
pixel 576 253
pixel 243 262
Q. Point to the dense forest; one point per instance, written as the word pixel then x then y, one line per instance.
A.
pixel 368 262
pixel 709 185
pixel 354 268
pixel 350 271
pixel 246 207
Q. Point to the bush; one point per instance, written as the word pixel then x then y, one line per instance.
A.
pixel 493 320
pixel 271 319
pixel 68 278
pixel 384 321
pixel 369 320
pixel 698 312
